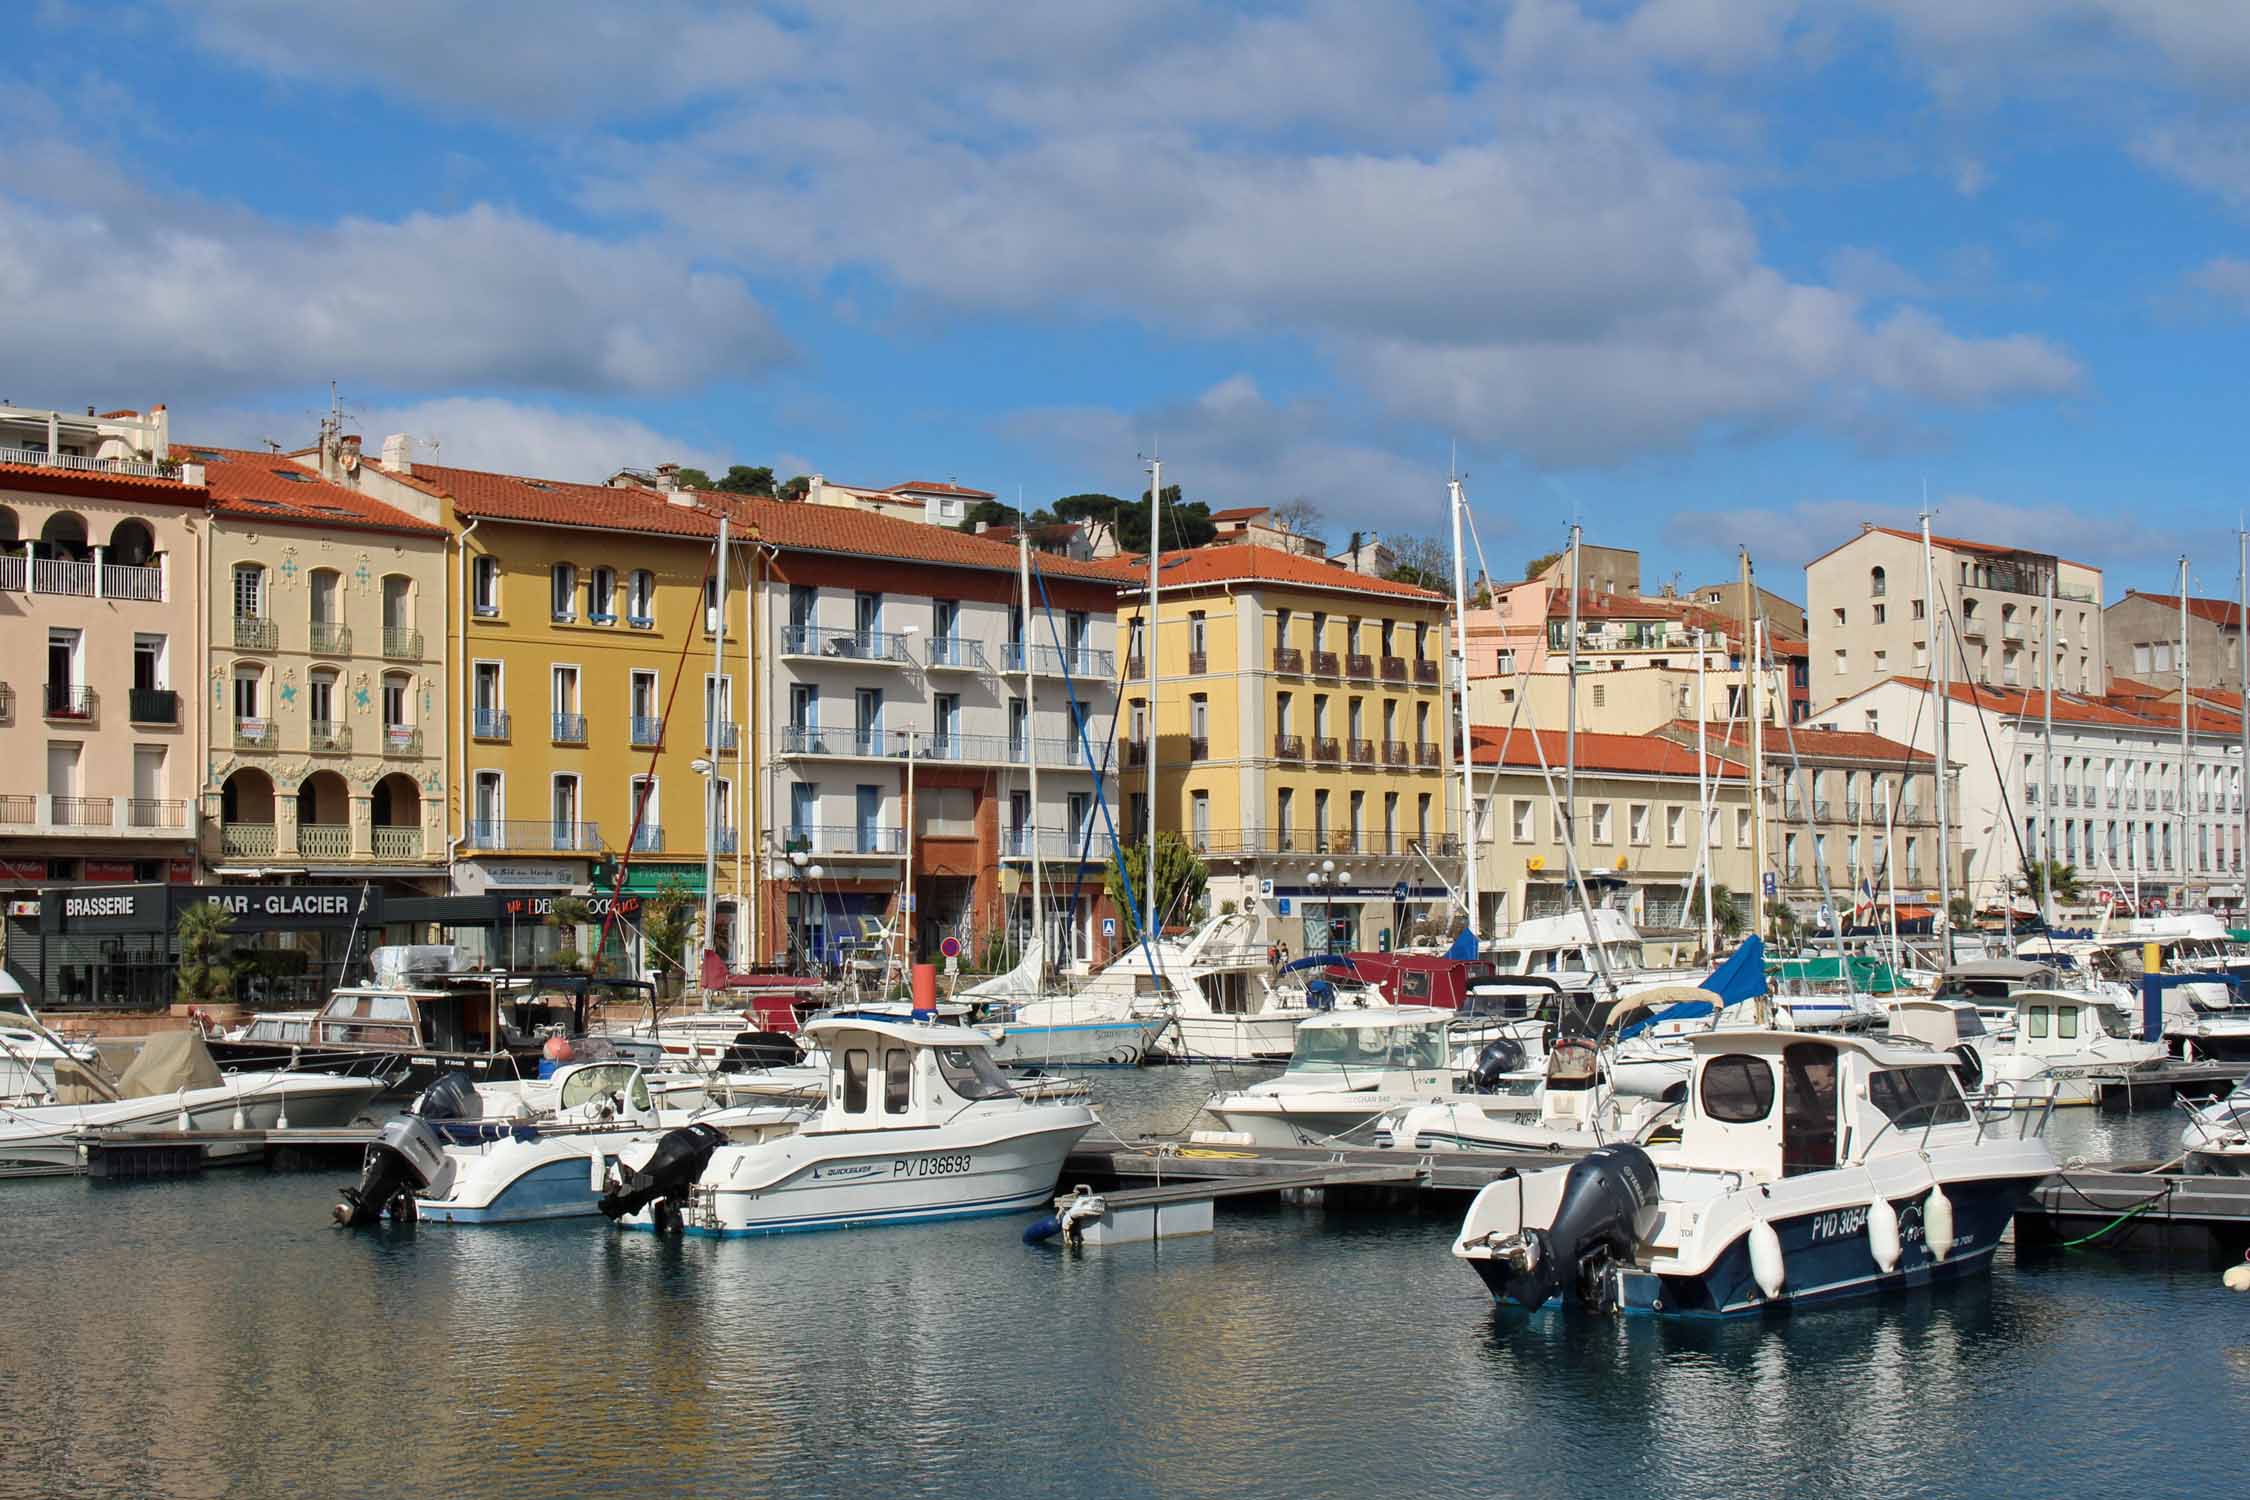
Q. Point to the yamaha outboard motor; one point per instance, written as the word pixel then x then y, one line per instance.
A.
pixel 1501 1056
pixel 1608 1206
pixel 672 1168
pixel 409 1156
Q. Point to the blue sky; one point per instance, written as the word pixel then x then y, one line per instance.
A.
pixel 1697 272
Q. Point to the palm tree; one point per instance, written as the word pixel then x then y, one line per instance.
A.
pixel 2037 871
pixel 206 973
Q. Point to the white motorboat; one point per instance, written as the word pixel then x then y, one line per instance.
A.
pixel 2216 1138
pixel 1033 1024
pixel 1952 1026
pixel 1350 1066
pixel 918 1124
pixel 28 1055
pixel 174 1085
pixel 1583 950
pixel 1213 988
pixel 1809 1168
pixel 1573 1109
pixel 2075 1041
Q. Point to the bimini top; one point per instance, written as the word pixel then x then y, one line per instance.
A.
pixel 1883 1051
pixel 2013 970
pixel 898 1029
pixel 1380 1015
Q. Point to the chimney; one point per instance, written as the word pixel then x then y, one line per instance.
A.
pixel 398 453
pixel 667 476
pixel 192 474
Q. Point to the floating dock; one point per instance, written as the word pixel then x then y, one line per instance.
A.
pixel 2131 1206
pixel 135 1155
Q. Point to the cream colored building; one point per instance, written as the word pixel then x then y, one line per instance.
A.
pixel 1866 620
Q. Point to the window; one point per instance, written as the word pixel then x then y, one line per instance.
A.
pixel 601 596
pixel 1199 725
pixel 855 1080
pixel 148 662
pixel 1839 617
pixel 1199 817
pixel 1601 696
pixel 1285 802
pixel 484 576
pixel 1874 722
pixel 1843 662
pixel 1737 1089
pixel 971 1074
pixel 1507 664
pixel 488 804
pixel 1912 1098
pixel 1390 823
pixel 1422 819
pixel 1636 821
pixel 249 591
pixel 1877 583
pixel 2035 1021
pixel 1882 662
pixel 396 687
pixel 803 602
pixel 398 602
pixel 249 694
pixel 487 687
pixel 1675 826
pixel 1882 613
pixel 326 604
pixel 1915 609
pixel 1320 817
pixel 1522 816
pixel 320 697
pixel 898 1075
pixel 640 599
pixel 562 585
pixel 565 806
pixel 1601 822
pixel 945 619
pixel 566 690
pixel 1197 629
pixel 1281 713
pixel 1019 729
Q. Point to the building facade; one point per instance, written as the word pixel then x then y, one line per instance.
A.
pixel 1867 622
pixel 1298 735
pixel 2144 630
pixel 326 675
pixel 102 539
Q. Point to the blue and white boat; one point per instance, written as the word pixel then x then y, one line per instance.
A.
pixel 1809 1168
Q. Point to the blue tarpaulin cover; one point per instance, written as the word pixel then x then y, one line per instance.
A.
pixel 1742 975
pixel 1464 946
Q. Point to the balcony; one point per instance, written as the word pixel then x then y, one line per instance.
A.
pixel 1972 627
pixel 490 724
pixel 1289 747
pixel 80 812
pixel 402 644
pixel 846 838
pixel 1051 661
pixel 1394 669
pixel 811 739
pixel 330 639
pixel 2070 796
pixel 1253 842
pixel 1426 754
pixel 256 734
pixel 1198 664
pixel 568 729
pixel 402 740
pixel 535 835
pixel 71 701
pixel 1358 664
pixel 152 706
pixel 724 840
pixel 328 737
pixel 40 458
pixel 2011 630
pixel 254 634
pixel 247 840
pixel 954 655
pixel 398 843
pixel 723 736
pixel 1395 753
pixel 60 575
pixel 2031 794
pixel 648 838
pixel 883 647
pixel 2171 800
pixel 1851 809
pixel 324 841
pixel 1052 844
pixel 1362 752
pixel 1287 659
pixel 1326 750
pixel 1425 671
pixel 1136 668
pixel 156 814
pixel 1326 664
pixel 645 732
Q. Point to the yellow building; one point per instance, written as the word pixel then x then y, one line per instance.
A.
pixel 1299 735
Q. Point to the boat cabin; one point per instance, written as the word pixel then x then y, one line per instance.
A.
pixel 1420 978
pixel 1773 1104
pixel 1991 982
pixel 1937 1022
pixel 467 1015
pixel 888 1075
pixel 2060 1025
pixel 1397 1050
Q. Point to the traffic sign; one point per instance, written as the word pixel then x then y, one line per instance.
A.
pixel 1769 885
pixel 950 947
pixel 1398 892
pixel 1109 927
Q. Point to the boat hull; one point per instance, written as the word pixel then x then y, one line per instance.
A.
pixel 1280 1123
pixel 524 1186
pixel 43 1142
pixel 1117 1043
pixel 1235 1038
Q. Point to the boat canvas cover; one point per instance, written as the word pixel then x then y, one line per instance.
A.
pixel 1743 975
pixel 170 1061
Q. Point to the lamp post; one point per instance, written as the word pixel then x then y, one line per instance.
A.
pixel 705 769
pixel 1326 879
pixel 801 868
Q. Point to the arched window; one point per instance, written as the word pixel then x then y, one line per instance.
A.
pixel 601 597
pixel 563 590
pixel 325 587
pixel 64 536
pixel 132 544
pixel 1877 585
pixel 11 530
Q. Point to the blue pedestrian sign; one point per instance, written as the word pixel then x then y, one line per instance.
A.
pixel 1769 885
pixel 1398 892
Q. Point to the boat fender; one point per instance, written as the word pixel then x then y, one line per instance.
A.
pixel 2237 1277
pixel 183 1124
pixel 597 1171
pixel 1767 1267
pixel 1882 1234
pixel 1043 1229
pixel 1937 1223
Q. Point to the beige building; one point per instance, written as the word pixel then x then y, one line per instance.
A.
pixel 1866 614
pixel 101 538
pixel 1785 618
pixel 327 675
pixel 2144 635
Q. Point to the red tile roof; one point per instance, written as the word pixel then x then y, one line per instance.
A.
pixel 932 487
pixel 1783 646
pixel 1955 544
pixel 2217 611
pixel 90 484
pixel 843 530
pixel 1622 754
pixel 1839 744
pixel 267 487
pixel 1240 512
pixel 1247 563
pixel 2128 687
pixel 2031 703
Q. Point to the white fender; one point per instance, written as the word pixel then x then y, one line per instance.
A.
pixel 181 1122
pixel 597 1170
pixel 1937 1223
pixel 2237 1277
pixel 1766 1265
pixel 1882 1233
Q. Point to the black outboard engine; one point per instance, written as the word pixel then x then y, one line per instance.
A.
pixel 756 1051
pixel 1970 1068
pixel 408 1157
pixel 1608 1206
pixel 1501 1055
pixel 672 1168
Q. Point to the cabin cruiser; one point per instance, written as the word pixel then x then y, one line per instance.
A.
pixel 1349 1067
pixel 1955 1026
pixel 1808 1168
pixel 173 1084
pixel 28 1055
pixel 2077 1042
pixel 1581 950
pixel 2216 1138
pixel 1031 1024
pixel 1213 988
pixel 918 1123
pixel 1573 1109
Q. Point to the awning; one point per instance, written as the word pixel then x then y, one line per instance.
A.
pixel 1913 913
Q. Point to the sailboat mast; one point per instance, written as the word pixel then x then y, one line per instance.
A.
pixel 2242 775
pixel 1031 748
pixel 2184 822
pixel 1151 918
pixel 1754 722
pixel 1933 632
pixel 1570 721
pixel 1461 690
pixel 1703 792
pixel 715 705
pixel 2047 771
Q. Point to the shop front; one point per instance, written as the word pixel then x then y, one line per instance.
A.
pixel 1339 919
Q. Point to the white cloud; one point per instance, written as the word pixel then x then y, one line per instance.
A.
pixel 2211 157
pixel 2225 279
pixel 1789 535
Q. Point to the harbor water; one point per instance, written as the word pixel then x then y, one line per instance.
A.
pixel 217 1337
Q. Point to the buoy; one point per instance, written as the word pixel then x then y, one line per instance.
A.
pixel 2237 1277
pixel 1882 1234
pixel 1766 1265
pixel 1937 1223
pixel 557 1049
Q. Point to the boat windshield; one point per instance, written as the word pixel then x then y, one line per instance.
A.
pixel 609 1078
pixel 1335 1049
pixel 971 1074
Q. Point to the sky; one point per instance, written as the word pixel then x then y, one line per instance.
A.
pixel 1697 274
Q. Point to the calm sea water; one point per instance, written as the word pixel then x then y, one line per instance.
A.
pixel 216 1337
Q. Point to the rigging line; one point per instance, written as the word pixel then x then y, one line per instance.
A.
pixel 2007 807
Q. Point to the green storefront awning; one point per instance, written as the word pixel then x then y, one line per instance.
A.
pixel 647 877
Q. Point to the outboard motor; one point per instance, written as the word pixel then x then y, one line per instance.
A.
pixel 409 1156
pixel 1501 1056
pixel 672 1168
pixel 1608 1206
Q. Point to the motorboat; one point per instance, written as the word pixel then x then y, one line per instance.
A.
pixel 1214 987
pixel 1034 1025
pixel 1809 1168
pixel 1951 1025
pixel 2216 1138
pixel 918 1124
pixel 2075 1042
pixel 1573 1109
pixel 29 1054
pixel 1596 948
pixel 173 1084
pixel 1350 1066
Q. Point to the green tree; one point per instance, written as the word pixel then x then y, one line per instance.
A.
pixel 694 479
pixel 667 918
pixel 2065 879
pixel 1540 564
pixel 1784 925
pixel 796 488
pixel 1961 912
pixel 1180 879
pixel 568 914
pixel 990 513
pixel 206 968
pixel 1187 523
pixel 1726 912
pixel 743 480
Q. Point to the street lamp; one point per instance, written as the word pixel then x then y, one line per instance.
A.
pixel 1328 878
pixel 703 768
pixel 801 868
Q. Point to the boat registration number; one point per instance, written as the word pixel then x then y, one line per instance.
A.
pixel 1838 1223
pixel 932 1166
